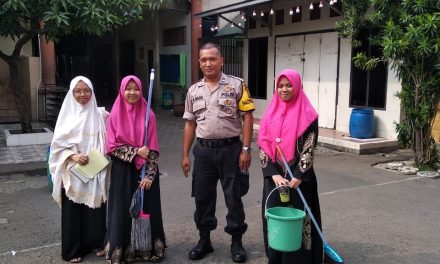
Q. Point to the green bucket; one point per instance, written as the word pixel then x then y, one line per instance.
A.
pixel 285 228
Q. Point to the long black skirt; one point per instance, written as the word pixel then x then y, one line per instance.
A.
pixel 311 251
pixel 124 182
pixel 82 228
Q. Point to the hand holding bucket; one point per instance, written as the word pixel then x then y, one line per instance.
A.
pixel 284 226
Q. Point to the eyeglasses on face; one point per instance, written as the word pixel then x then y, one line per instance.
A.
pixel 82 91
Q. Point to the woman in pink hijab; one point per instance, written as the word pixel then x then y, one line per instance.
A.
pixel 291 122
pixel 125 134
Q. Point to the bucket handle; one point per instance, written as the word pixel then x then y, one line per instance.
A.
pixel 267 199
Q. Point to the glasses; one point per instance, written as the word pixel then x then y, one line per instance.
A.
pixel 79 92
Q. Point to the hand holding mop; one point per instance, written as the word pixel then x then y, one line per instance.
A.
pixel 331 256
pixel 140 225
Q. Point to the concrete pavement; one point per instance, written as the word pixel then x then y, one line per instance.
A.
pixel 369 215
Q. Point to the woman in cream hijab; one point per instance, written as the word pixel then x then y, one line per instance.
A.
pixel 80 127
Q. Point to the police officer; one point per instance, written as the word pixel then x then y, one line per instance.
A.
pixel 214 110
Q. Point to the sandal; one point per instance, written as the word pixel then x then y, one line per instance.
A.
pixel 99 252
pixel 75 260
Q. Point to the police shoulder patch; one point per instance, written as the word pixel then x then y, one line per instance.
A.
pixel 246 103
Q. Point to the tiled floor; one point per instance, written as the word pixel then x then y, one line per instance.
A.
pixel 20 154
pixel 342 141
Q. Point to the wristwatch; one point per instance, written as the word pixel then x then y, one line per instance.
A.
pixel 246 149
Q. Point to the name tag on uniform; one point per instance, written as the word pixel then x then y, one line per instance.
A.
pixel 196 98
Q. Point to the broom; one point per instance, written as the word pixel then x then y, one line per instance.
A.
pixel 140 224
pixel 330 255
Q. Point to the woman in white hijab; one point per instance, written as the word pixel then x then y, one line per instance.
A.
pixel 80 127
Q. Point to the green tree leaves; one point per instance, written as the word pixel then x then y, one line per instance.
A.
pixel 61 17
pixel 409 36
pixel 21 20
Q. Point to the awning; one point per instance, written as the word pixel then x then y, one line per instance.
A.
pixel 231 8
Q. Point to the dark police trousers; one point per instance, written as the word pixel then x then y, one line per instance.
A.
pixel 218 160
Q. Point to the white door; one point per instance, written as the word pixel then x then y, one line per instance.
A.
pixel 327 80
pixel 311 69
pixel 315 57
pixel 289 53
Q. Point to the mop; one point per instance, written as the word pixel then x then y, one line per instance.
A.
pixel 331 256
pixel 140 225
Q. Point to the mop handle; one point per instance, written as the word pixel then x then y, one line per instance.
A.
pixel 147 119
pixel 301 195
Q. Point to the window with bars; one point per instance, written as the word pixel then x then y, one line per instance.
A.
pixel 297 14
pixel 368 88
pixel 315 13
pixel 265 20
pixel 252 23
pixel 173 36
pixel 338 7
pixel 279 17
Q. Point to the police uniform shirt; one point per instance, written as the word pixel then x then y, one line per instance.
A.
pixel 218 113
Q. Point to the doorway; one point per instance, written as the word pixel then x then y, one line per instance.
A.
pixel 315 57
pixel 258 67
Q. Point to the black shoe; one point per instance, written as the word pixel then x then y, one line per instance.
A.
pixel 202 249
pixel 238 253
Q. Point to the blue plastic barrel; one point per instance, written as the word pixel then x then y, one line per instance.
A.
pixel 49 176
pixel 167 100
pixel 362 124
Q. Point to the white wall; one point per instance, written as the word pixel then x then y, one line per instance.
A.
pixel 7 46
pixel 144 33
pixel 172 19
pixel 384 118
pixel 343 111
pixel 8 109
pixel 211 4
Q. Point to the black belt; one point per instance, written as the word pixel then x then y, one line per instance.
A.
pixel 218 143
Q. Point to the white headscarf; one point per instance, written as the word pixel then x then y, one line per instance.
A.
pixel 79 128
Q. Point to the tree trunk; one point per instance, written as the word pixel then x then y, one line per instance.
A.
pixel 418 155
pixel 21 96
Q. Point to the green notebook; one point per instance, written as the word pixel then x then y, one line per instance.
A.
pixel 97 162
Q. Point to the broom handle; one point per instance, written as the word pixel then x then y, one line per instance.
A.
pixel 147 119
pixel 302 196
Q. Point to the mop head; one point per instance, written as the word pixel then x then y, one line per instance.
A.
pixel 141 233
pixel 331 257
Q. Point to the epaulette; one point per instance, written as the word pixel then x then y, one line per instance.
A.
pixel 235 77
pixel 200 83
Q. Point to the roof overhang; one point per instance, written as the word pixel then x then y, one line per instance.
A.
pixel 231 8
